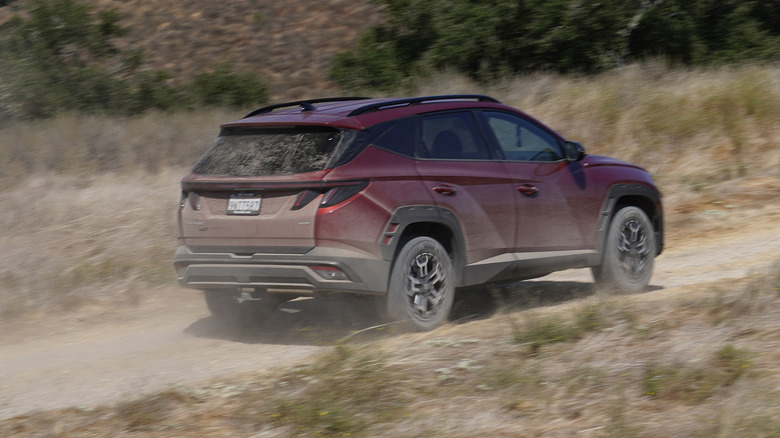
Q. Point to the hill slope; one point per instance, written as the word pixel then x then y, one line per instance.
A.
pixel 289 44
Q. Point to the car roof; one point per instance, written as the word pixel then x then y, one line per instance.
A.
pixel 358 112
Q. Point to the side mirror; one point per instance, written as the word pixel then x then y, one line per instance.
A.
pixel 574 151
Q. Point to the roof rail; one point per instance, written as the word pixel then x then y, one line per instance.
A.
pixel 417 101
pixel 306 105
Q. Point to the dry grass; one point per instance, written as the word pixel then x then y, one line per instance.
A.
pixel 88 201
pixel 90 144
pixel 654 365
pixel 689 127
pixel 87 207
pixel 87 220
pixel 709 137
pixel 71 241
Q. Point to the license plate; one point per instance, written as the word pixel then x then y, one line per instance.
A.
pixel 244 204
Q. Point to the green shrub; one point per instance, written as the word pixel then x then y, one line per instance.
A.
pixel 493 39
pixel 59 56
pixel 372 66
pixel 694 384
pixel 539 331
pixel 222 87
pixel 342 393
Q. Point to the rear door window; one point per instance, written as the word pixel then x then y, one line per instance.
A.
pixel 245 152
pixel 452 136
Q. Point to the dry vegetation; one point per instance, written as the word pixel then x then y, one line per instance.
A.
pixel 698 364
pixel 86 221
pixel 289 44
pixel 88 207
pixel 89 200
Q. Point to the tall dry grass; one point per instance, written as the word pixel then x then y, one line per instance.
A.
pixel 87 202
pixel 87 206
pixel 80 145
pixel 685 126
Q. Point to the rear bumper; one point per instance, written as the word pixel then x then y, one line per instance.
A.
pixel 283 273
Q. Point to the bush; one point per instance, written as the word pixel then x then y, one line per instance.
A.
pixel 693 384
pixel 223 87
pixel 372 66
pixel 492 39
pixel 60 56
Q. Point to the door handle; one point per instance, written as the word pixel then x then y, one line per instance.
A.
pixel 444 190
pixel 528 189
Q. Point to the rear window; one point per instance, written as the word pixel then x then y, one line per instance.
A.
pixel 271 151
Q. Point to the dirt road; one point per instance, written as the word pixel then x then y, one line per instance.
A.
pixel 169 339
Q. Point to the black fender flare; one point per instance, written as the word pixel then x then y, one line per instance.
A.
pixel 616 197
pixel 407 216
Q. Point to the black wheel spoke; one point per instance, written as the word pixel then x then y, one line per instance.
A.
pixel 424 297
pixel 629 251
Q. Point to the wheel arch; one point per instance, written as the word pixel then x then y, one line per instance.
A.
pixel 437 223
pixel 648 199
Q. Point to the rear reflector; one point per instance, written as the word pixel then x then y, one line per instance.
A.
pixel 304 198
pixel 330 272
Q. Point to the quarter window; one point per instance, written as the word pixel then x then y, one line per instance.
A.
pixel 522 140
pixel 399 138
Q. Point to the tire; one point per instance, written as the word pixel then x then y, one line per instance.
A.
pixel 629 252
pixel 228 309
pixel 422 285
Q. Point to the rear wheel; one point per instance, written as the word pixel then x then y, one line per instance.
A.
pixel 422 285
pixel 629 252
pixel 246 309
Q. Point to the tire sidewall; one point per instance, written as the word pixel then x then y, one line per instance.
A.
pixel 397 306
pixel 609 273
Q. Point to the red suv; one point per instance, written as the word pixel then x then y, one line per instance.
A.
pixel 404 200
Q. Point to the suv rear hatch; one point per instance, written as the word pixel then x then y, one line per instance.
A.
pixel 258 189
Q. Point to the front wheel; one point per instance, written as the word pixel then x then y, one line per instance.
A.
pixel 629 252
pixel 422 285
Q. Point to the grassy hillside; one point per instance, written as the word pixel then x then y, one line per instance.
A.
pixel 87 205
pixel 86 224
pixel 289 44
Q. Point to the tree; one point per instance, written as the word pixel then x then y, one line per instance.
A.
pixel 223 87
pixel 487 39
pixel 61 56
pixel 56 59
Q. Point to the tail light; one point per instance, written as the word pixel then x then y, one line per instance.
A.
pixel 333 194
pixel 337 195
